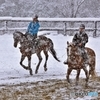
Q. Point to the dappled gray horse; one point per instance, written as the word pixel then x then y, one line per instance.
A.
pixel 76 61
pixel 29 47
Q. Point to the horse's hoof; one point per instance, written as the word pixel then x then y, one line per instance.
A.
pixel 69 81
pixel 76 83
pixel 36 72
pixel 31 72
pixel 86 85
pixel 45 69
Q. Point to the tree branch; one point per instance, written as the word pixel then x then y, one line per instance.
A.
pixel 78 5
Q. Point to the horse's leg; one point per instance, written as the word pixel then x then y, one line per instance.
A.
pixel 40 59
pixel 22 58
pixel 90 70
pixel 77 77
pixel 87 74
pixel 29 64
pixel 46 56
pixel 68 73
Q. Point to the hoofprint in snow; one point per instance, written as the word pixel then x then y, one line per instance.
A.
pixel 12 73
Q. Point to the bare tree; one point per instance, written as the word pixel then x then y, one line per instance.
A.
pixel 79 3
pixel 75 6
pixel 50 8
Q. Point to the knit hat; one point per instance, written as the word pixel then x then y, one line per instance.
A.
pixel 82 26
pixel 36 16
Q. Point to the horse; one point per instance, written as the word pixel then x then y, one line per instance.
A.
pixel 76 62
pixel 32 46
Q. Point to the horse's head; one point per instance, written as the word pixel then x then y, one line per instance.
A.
pixel 17 36
pixel 71 48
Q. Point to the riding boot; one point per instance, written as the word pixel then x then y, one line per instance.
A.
pixel 85 58
pixel 67 61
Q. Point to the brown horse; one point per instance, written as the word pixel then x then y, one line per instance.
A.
pixel 29 47
pixel 76 61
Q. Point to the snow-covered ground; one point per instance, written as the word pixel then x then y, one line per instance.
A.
pixel 12 72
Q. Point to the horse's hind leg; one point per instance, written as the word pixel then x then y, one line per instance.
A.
pixel 77 77
pixel 40 59
pixel 46 56
pixel 87 75
pixel 91 70
pixel 68 73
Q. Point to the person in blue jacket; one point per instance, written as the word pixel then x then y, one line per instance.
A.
pixel 33 27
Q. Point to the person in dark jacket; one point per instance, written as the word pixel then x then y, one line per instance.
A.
pixel 33 27
pixel 80 39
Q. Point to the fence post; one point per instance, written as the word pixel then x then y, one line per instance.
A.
pixel 65 26
pixel 5 27
pixel 95 29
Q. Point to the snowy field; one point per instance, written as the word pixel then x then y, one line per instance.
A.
pixel 11 73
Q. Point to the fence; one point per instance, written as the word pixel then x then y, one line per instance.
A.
pixel 65 24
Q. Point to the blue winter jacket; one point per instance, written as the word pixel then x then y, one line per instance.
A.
pixel 33 28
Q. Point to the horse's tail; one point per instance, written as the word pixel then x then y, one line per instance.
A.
pixel 92 71
pixel 52 51
pixel 92 62
pixel 93 74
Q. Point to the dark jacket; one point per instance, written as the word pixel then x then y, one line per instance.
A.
pixel 81 37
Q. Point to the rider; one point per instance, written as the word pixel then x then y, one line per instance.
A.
pixel 80 39
pixel 33 27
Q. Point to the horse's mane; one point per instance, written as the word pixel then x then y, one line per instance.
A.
pixel 18 32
